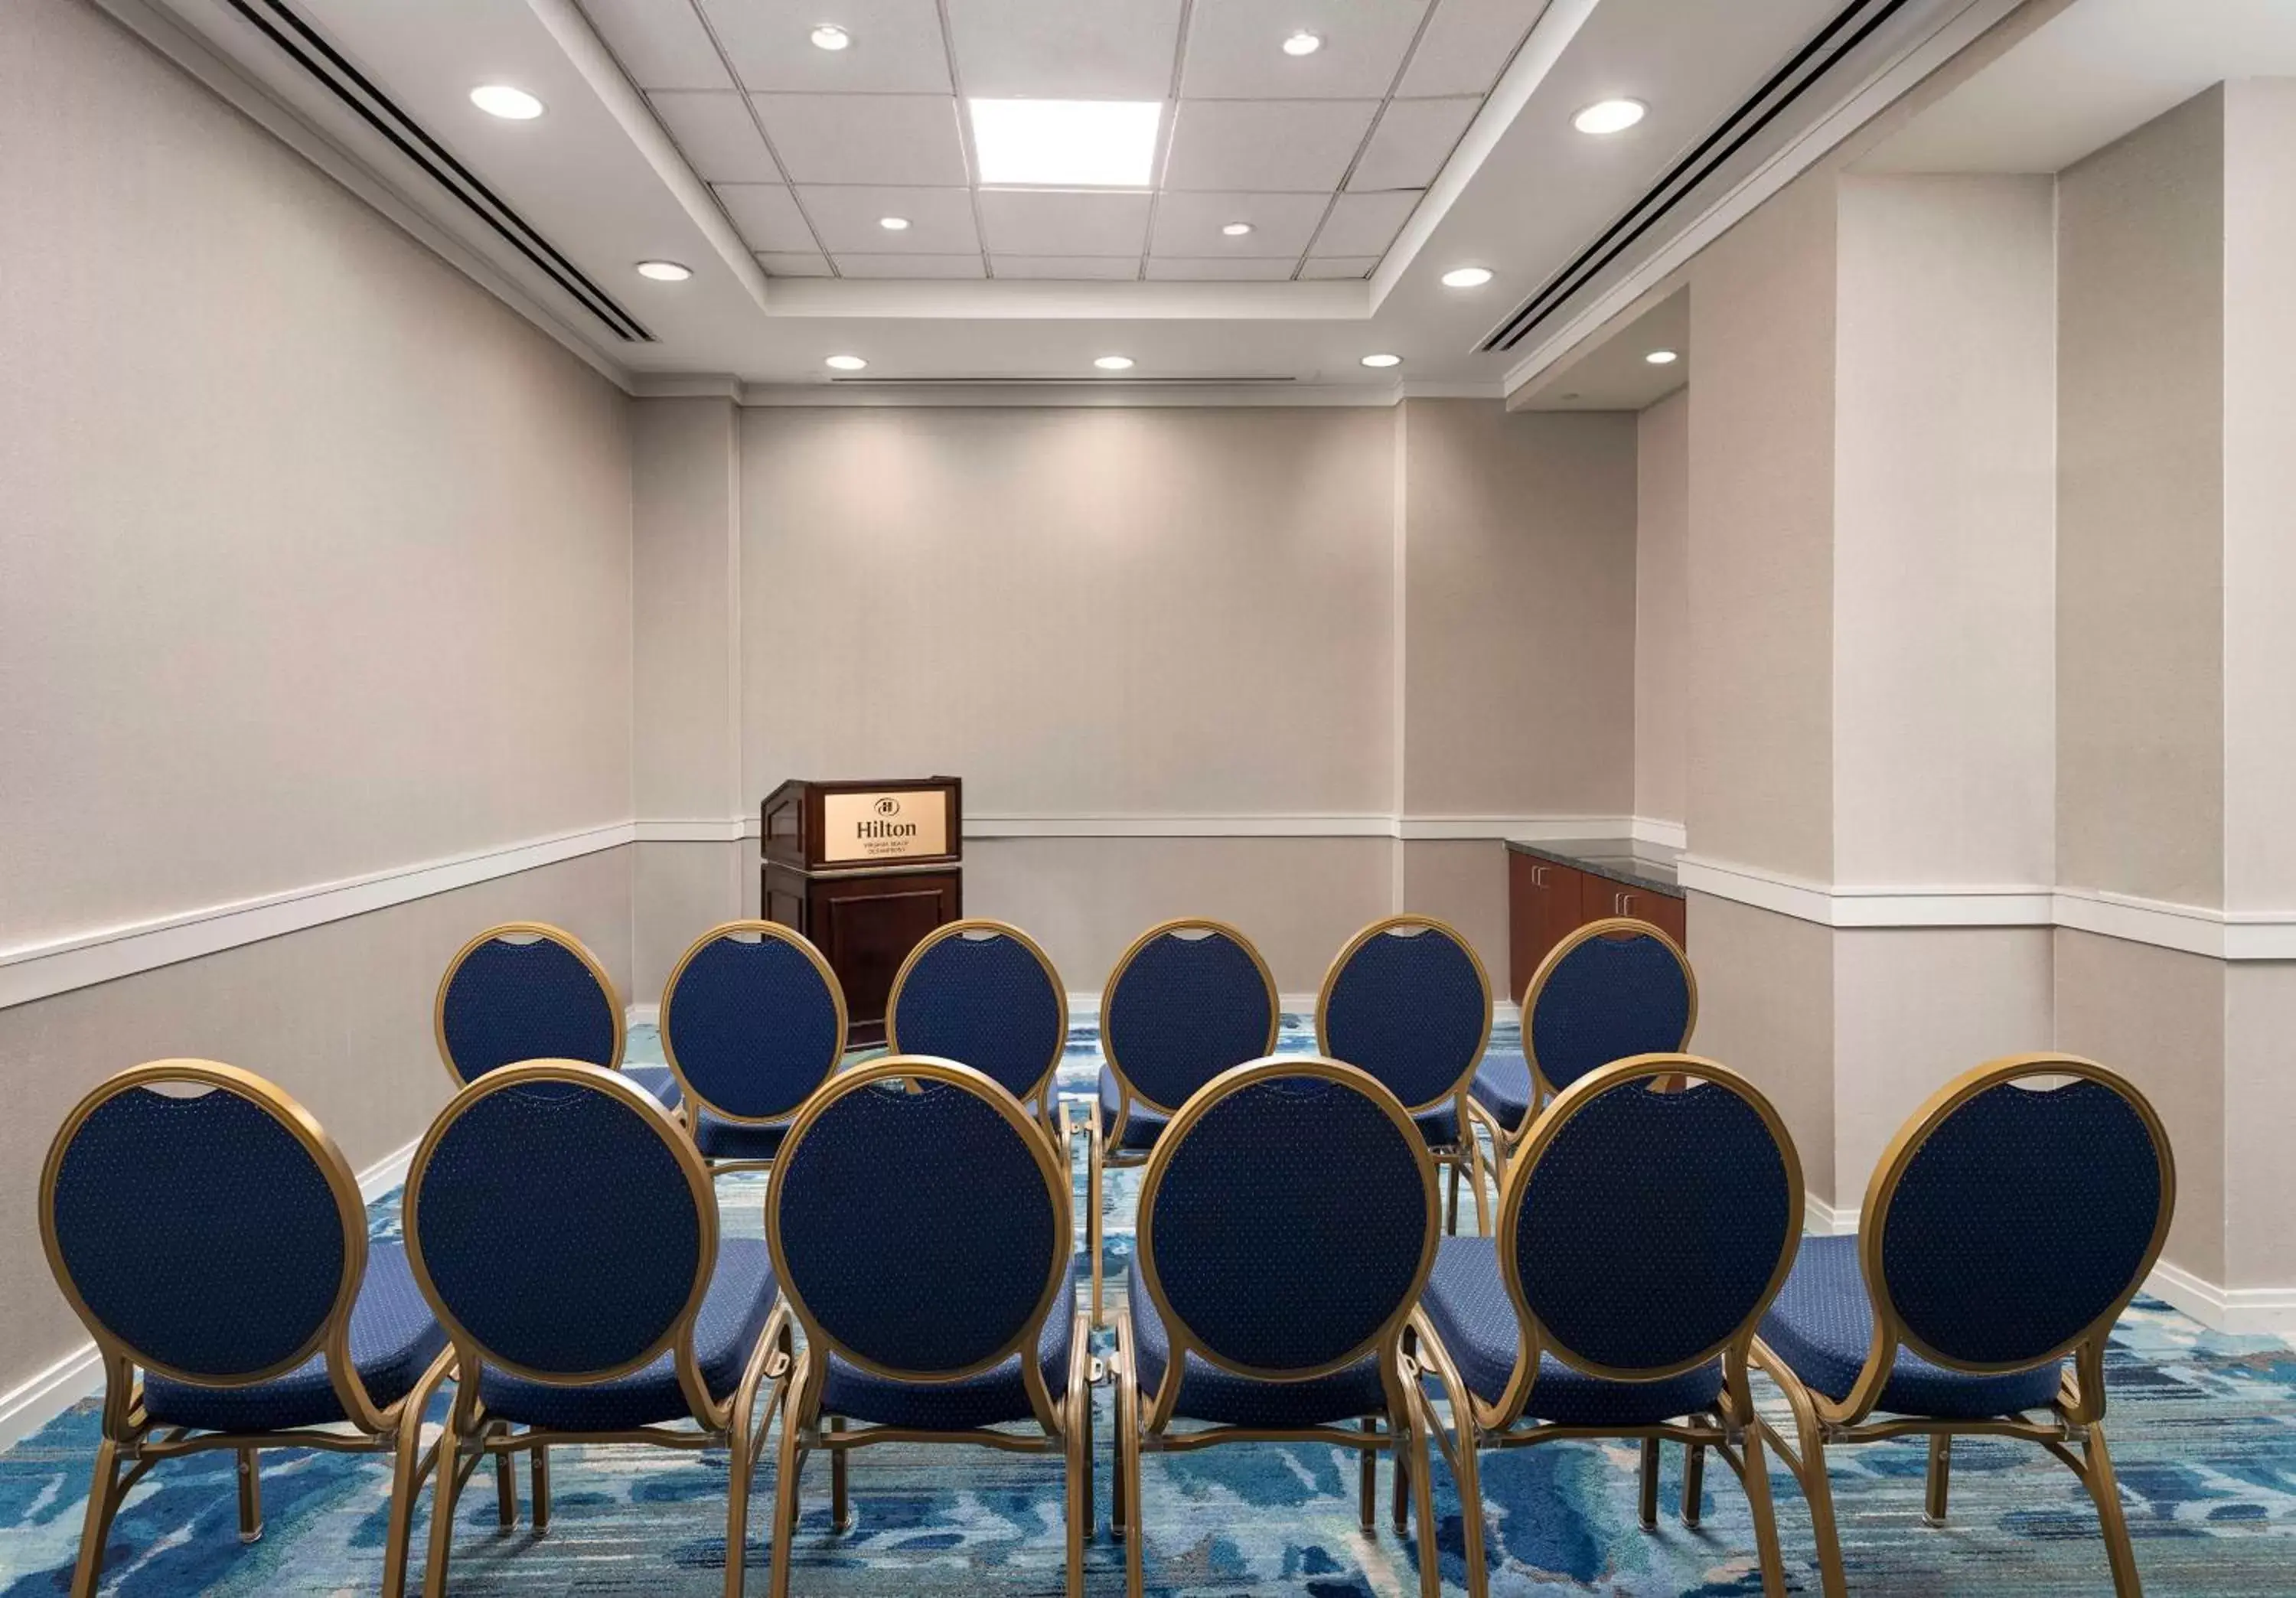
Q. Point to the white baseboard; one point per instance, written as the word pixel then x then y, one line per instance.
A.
pixel 2251 1311
pixel 1824 1220
pixel 32 1404
pixel 641 1015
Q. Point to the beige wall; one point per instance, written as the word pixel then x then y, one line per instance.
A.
pixel 1761 777
pixel 2140 522
pixel 677 892
pixel 686 565
pixel 1661 606
pixel 1944 539
pixel 1766 1009
pixel 1518 588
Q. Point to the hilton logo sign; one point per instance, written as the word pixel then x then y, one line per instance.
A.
pixel 884 826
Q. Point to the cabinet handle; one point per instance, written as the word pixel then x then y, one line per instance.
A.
pixel 1621 903
pixel 1538 876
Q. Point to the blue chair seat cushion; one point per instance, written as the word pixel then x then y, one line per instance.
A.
pixel 1822 1325
pixel 1439 1126
pixel 1502 1085
pixel 994 1396
pixel 720 1139
pixel 1466 1302
pixel 733 1317
pixel 1142 1125
pixel 658 1080
pixel 394 1339
pixel 1209 1393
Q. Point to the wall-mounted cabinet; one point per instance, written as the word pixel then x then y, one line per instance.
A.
pixel 1554 889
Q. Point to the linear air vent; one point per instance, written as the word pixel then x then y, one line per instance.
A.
pixel 309 50
pixel 1064 382
pixel 1801 74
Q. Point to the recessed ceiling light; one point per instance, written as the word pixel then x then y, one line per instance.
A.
pixel 1302 43
pixel 1383 360
pixel 1067 143
pixel 1236 230
pixel 829 35
pixel 894 224
pixel 501 100
pixel 664 272
pixel 1114 363
pixel 1661 357
pixel 1608 116
pixel 1466 277
pixel 845 363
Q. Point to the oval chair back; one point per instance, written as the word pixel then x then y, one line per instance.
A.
pixel 2017 1214
pixel 561 1224
pixel 1191 998
pixel 919 1222
pixel 525 991
pixel 204 1226
pixel 1648 1223
pixel 1408 1002
pixel 1287 1222
pixel 752 1021
pixel 984 994
pixel 1613 989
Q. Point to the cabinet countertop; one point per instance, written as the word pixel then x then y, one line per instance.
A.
pixel 1646 865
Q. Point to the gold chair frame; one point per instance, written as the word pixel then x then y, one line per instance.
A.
pixel 544 933
pixel 1105 1151
pixel 472 1434
pixel 1039 1096
pixel 1138 1431
pixel 2077 1413
pixel 1064 1428
pixel 691 1096
pixel 1732 1429
pixel 129 1436
pixel 1504 1143
pixel 1467 1153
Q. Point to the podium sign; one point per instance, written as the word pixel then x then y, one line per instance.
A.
pixel 905 823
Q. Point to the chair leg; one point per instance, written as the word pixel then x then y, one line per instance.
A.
pixel 785 1478
pixel 739 1466
pixel 1818 1489
pixel 1095 1173
pixel 1693 1484
pixel 1940 1478
pixel 444 1492
pixel 840 1498
pixel 1475 1177
pixel 538 1468
pixel 506 1490
pixel 1079 1480
pixel 1127 1461
pixel 251 1497
pixel 1649 1506
pixel 2105 1488
pixel 1763 1513
pixel 102 1504
pixel 1423 1506
pixel 1451 1211
pixel 1367 1490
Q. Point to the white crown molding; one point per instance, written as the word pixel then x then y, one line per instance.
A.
pixel 36 970
pixel 1073 396
pixel 679 385
pixel 1033 299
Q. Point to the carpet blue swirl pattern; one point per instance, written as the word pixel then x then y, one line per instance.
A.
pixel 2203 1429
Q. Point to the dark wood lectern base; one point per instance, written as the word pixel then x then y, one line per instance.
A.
pixel 865 923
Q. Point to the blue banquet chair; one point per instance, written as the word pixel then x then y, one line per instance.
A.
pixel 1287 1223
pixel 525 990
pixel 1189 999
pixel 752 1021
pixel 211 1235
pixel 2003 1233
pixel 984 994
pixel 1408 1001
pixel 565 1230
pixel 1647 1224
pixel 920 1224
pixel 1613 989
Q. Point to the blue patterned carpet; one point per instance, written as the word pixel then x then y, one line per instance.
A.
pixel 2204 1428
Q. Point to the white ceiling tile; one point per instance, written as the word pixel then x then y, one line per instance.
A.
pixel 1364 224
pixel 717 136
pixel 1235 48
pixel 1468 44
pixel 793 264
pixel 907 139
pixel 766 216
pixel 1063 222
pixel 1264 145
pixel 911 266
pixel 1065 49
pixel 1189 224
pixel 661 44
pixel 1069 267
pixel 896 46
pixel 1412 141
pixel 848 218
pixel 1175 269
pixel 1322 268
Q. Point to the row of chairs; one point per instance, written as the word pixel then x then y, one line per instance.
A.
pixel 563 1267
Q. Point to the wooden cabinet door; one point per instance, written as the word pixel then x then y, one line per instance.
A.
pixel 1663 911
pixel 1543 901
pixel 1598 898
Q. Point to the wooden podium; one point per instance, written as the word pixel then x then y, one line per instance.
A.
pixel 865 870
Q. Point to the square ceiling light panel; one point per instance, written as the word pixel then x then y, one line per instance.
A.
pixel 1067 143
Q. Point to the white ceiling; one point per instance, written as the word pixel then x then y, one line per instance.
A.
pixel 1613 373
pixel 1324 154
pixel 717 136
pixel 2096 70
